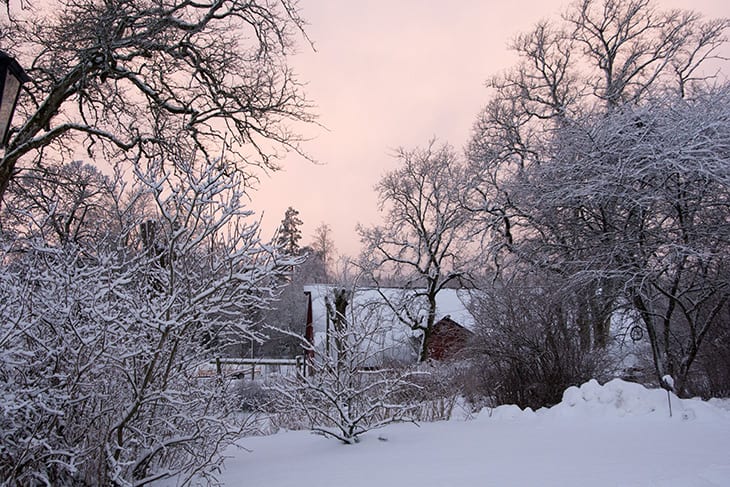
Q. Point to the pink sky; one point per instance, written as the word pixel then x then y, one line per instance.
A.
pixel 390 73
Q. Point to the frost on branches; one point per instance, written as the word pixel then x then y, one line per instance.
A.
pixel 347 388
pixel 130 79
pixel 103 331
pixel 600 163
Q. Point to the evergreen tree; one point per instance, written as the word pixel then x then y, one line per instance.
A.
pixel 289 233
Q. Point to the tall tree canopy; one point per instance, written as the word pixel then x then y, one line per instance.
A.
pixel 151 79
pixel 596 159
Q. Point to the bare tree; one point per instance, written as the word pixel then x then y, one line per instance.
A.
pixel 631 213
pixel 322 253
pixel 152 80
pixel 603 54
pixel 65 203
pixel 647 212
pixel 424 239
pixel 551 153
pixel 638 51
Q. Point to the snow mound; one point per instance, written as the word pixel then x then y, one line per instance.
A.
pixel 616 399
pixel 510 412
pixel 722 403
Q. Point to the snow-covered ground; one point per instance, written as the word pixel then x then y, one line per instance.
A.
pixel 619 434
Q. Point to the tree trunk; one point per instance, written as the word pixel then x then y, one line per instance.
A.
pixel 430 320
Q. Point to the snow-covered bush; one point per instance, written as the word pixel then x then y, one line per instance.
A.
pixel 527 348
pixel 441 391
pixel 102 339
pixel 712 378
pixel 347 390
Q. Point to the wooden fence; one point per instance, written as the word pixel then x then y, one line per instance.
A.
pixel 253 368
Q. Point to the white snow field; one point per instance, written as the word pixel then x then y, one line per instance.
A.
pixel 618 434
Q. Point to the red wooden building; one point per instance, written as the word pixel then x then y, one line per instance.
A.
pixel 447 339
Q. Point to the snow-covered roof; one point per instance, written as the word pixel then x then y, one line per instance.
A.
pixel 449 302
pixel 369 304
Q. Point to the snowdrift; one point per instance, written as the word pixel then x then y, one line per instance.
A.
pixel 615 399
pixel 616 434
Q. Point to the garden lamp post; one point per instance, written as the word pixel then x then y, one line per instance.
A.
pixel 12 77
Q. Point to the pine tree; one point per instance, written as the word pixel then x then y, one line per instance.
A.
pixel 289 233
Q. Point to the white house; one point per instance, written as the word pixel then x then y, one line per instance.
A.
pixel 372 310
